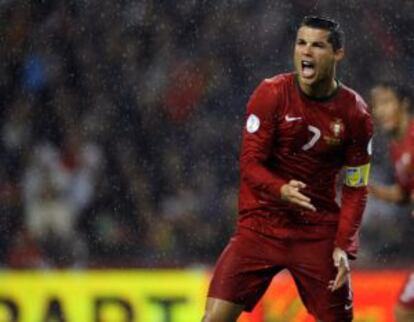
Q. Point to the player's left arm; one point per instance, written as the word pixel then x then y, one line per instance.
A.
pixel 354 192
pixel 354 195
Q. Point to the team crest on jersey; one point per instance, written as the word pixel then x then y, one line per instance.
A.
pixel 332 140
pixel 337 127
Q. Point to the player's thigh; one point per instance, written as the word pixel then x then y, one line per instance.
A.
pixel 312 269
pixel 324 305
pixel 218 310
pixel 245 269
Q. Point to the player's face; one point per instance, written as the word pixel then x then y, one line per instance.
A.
pixel 314 56
pixel 387 108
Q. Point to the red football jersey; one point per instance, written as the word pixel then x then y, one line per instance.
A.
pixel 402 155
pixel 289 135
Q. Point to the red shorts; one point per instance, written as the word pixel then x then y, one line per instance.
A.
pixel 406 298
pixel 250 261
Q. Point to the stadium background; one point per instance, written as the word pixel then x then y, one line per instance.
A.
pixel 119 135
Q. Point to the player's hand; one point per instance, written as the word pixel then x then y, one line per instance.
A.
pixel 341 261
pixel 290 192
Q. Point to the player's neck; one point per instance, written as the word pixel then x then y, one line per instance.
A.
pixel 321 89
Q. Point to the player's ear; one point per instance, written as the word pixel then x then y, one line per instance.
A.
pixel 339 54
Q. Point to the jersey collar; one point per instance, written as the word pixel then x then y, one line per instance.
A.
pixel 318 99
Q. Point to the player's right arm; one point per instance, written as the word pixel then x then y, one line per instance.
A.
pixel 257 144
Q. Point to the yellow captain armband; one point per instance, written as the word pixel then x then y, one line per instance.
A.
pixel 357 176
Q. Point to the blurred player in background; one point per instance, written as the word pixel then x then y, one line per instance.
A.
pixel 301 129
pixel 391 109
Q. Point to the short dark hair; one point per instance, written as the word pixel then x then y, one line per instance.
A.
pixel 336 35
pixel 401 91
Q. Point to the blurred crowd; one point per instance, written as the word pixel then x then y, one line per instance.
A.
pixel 120 122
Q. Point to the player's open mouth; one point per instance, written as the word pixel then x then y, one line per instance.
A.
pixel 308 69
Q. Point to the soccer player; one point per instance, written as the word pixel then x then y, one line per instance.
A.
pixel 390 106
pixel 301 129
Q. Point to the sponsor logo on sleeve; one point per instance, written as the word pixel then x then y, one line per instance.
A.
pixel 252 124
